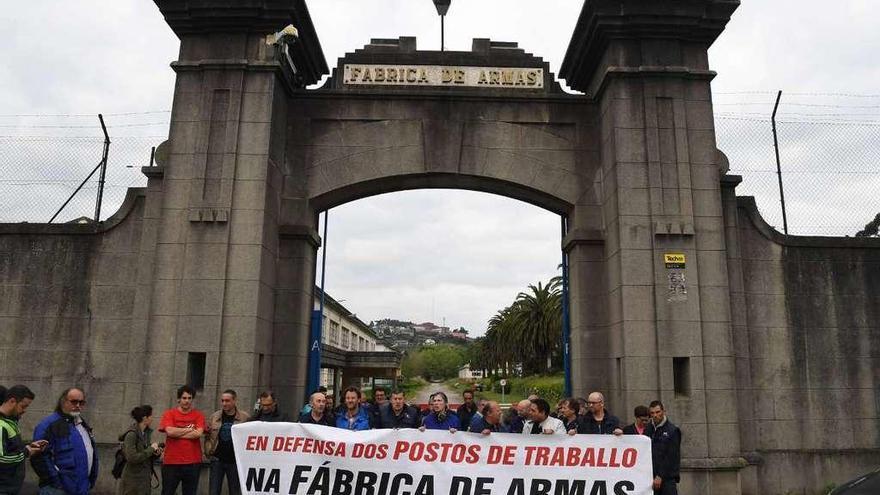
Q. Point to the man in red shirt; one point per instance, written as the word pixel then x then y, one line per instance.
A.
pixel 183 427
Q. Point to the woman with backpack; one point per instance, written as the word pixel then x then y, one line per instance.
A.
pixel 139 453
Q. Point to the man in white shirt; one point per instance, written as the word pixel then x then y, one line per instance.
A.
pixel 540 422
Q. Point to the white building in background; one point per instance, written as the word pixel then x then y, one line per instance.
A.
pixel 465 373
pixel 343 330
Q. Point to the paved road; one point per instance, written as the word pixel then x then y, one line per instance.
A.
pixel 421 395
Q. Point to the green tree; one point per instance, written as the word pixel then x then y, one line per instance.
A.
pixel 436 362
pixel 529 332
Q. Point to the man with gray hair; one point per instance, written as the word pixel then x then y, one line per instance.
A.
pixel 69 463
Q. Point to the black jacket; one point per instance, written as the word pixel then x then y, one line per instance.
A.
pixel 466 414
pixel 275 416
pixel 588 424
pixel 408 418
pixel 666 450
pixel 327 419
pixel 630 429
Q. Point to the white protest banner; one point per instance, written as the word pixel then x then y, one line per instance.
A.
pixel 304 459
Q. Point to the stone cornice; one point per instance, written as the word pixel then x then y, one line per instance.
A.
pixel 260 17
pixel 602 21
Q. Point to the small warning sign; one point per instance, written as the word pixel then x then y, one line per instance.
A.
pixel 674 260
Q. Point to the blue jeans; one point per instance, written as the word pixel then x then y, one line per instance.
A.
pixel 51 490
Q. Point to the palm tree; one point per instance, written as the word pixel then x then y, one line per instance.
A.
pixel 529 331
pixel 539 324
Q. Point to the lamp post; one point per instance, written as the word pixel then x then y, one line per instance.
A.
pixel 442 8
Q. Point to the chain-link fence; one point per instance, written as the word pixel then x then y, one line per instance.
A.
pixel 829 153
pixel 39 173
pixel 830 167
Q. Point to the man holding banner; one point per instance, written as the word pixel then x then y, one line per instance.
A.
pixel 354 416
pixel 540 421
pixel 318 413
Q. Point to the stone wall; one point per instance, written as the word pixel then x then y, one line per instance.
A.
pixel 808 353
pixel 66 299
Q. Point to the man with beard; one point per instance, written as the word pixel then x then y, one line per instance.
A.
pixel 13 450
pixel 69 463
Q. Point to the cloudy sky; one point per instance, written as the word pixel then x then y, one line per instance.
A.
pixel 435 255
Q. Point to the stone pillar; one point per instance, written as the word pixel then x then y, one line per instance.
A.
pixel 217 244
pixel 646 64
pixel 293 308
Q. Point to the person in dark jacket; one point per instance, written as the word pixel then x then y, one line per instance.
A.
pixel 640 426
pixel 396 413
pixel 380 398
pixel 520 414
pixel 489 420
pixel 69 464
pixel 665 450
pixel 13 450
pixel 139 451
pixel 440 417
pixel 598 420
pixel 568 414
pixel 467 410
pixel 269 411
pixel 318 413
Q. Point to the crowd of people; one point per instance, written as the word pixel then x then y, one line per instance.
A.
pixel 63 451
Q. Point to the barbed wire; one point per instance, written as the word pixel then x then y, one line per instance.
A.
pixel 830 163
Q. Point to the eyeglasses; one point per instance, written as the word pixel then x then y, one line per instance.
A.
pixel 77 402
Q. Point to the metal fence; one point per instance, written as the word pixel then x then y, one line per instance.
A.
pixel 39 173
pixel 829 151
pixel 830 160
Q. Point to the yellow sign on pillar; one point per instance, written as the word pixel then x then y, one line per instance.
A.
pixel 674 260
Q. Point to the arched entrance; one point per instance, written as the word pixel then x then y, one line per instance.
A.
pixel 346 143
pixel 631 165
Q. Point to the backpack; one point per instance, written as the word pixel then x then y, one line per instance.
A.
pixel 119 457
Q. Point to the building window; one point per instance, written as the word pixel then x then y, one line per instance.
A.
pixel 334 334
pixel 681 376
pixel 195 370
pixel 346 338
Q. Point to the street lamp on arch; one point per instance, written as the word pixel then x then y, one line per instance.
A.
pixel 442 7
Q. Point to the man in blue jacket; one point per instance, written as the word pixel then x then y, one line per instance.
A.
pixel 69 463
pixel 353 416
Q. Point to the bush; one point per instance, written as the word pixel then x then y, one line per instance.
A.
pixel 549 387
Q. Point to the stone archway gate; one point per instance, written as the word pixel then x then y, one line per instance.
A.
pixel 678 290
pixel 253 158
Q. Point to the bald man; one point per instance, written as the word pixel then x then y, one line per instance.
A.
pixel 319 415
pixel 521 416
pixel 598 421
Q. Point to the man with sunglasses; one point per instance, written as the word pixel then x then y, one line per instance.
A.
pixel 69 462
